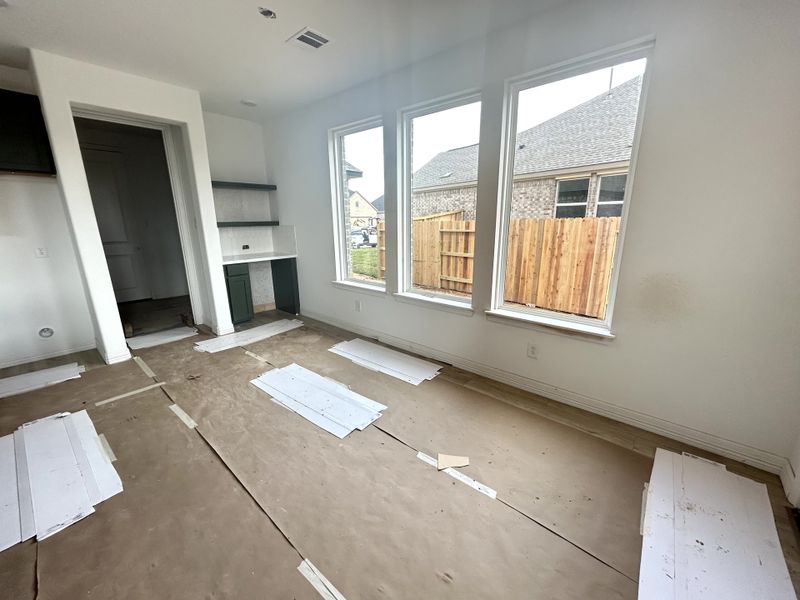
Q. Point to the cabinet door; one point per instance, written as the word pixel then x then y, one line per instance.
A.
pixel 284 282
pixel 240 298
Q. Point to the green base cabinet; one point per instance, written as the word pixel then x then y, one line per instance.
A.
pixel 240 295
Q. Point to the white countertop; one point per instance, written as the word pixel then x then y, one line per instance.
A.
pixel 235 259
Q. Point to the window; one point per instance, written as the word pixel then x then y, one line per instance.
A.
pixel 572 197
pixel 611 195
pixel 357 182
pixel 569 140
pixel 440 168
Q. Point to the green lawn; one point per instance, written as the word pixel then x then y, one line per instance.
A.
pixel 365 261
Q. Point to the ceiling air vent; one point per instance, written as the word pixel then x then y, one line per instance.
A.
pixel 308 38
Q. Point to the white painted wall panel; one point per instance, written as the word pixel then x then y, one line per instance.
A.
pixel 38 292
pixel 706 314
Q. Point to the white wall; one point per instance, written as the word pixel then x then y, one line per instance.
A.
pixel 706 324
pixel 37 292
pixel 235 149
pixel 64 84
pixel 236 153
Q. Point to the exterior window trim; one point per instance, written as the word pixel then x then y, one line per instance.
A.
pixel 600 202
pixel 513 86
pixel 341 240
pixel 405 116
pixel 585 205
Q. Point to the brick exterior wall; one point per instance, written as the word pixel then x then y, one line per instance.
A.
pixel 439 201
pixel 530 199
pixel 533 198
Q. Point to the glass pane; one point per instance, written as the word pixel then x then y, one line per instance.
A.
pixel 612 188
pixel 557 257
pixel 573 190
pixel 362 195
pixel 444 157
pixel 609 210
pixel 570 212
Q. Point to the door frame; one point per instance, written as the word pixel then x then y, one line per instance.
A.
pixel 183 211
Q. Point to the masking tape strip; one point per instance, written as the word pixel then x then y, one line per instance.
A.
pixel 106 448
pixel 256 356
pixel 476 485
pixel 325 588
pixel 143 366
pixel 133 393
pixel 181 414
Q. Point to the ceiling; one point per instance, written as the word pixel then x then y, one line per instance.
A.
pixel 229 52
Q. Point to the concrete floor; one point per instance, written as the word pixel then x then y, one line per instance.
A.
pixel 229 509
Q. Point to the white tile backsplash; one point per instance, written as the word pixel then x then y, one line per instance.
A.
pixel 242 205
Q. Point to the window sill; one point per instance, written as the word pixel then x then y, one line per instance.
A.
pixel 357 286
pixel 437 302
pixel 505 315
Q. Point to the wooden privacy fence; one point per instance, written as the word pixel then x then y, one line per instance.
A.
pixel 556 264
pixel 561 264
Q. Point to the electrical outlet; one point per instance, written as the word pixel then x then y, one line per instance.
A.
pixel 42 253
pixel 245 246
pixel 532 351
pixel 358 306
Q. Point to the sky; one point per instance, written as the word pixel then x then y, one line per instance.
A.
pixel 460 126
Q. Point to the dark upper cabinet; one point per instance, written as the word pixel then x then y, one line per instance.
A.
pixel 24 146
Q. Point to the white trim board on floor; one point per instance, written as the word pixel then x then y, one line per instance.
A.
pixel 60 497
pixel 385 360
pixel 10 521
pixel 26 521
pixel 18 384
pixel 709 533
pixel 157 338
pixel 761 459
pixel 327 404
pixel 248 336
pixel 53 471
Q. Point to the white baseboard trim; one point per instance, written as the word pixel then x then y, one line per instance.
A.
pixel 755 457
pixel 28 359
pixel 117 358
pixel 222 331
pixel 791 483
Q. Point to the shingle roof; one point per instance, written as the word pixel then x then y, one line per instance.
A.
pixel 351 171
pixel 598 131
pixel 378 204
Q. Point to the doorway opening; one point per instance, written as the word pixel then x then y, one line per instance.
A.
pixel 132 195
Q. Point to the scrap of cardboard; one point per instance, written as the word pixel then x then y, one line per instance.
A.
pixel 443 461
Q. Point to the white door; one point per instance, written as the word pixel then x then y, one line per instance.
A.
pixel 106 173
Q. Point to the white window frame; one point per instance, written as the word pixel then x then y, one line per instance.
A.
pixel 405 116
pixel 584 204
pixel 598 203
pixel 341 240
pixel 513 87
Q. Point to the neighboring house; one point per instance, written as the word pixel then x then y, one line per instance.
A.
pixel 361 212
pixel 379 206
pixel 572 165
pixel 351 172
